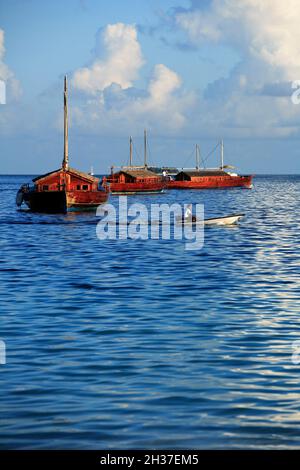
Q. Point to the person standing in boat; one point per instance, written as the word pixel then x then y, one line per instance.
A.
pixel 165 175
pixel 188 212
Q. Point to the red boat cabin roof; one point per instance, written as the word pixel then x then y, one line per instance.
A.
pixel 139 173
pixel 70 171
pixel 197 173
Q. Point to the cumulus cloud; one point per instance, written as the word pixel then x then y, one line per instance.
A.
pixel 266 36
pixel 12 84
pixel 267 30
pixel 164 82
pixel 112 99
pixel 161 106
pixel 121 62
pixel 11 116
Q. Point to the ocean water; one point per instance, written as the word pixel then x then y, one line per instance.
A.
pixel 143 344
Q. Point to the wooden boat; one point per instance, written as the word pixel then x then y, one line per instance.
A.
pixel 136 179
pixel 64 189
pixel 210 178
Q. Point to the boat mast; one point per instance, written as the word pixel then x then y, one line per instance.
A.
pixel 65 163
pixel 197 157
pixel 222 154
pixel 130 151
pixel 145 148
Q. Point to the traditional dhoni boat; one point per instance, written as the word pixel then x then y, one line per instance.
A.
pixel 136 179
pixel 64 189
pixel 209 178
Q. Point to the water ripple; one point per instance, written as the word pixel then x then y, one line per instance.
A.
pixel 142 344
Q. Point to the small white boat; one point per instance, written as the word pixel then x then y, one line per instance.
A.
pixel 226 220
pixel 231 219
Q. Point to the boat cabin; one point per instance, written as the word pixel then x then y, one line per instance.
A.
pixel 198 175
pixel 135 176
pixel 68 180
pixel 170 170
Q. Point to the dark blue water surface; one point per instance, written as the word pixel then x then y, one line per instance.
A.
pixel 143 344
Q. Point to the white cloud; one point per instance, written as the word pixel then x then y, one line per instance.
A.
pixel 267 30
pixel 162 85
pixel 10 112
pixel 121 63
pixel 266 36
pixel 113 102
pixel 160 107
pixel 13 87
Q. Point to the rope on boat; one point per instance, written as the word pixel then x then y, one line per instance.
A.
pixel 210 153
pixel 203 160
pixel 188 158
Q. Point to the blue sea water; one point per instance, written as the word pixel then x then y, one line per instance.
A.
pixel 142 344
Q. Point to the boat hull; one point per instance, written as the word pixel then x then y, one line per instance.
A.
pixel 51 202
pixel 231 219
pixel 137 188
pixel 213 182
pixel 54 202
pixel 83 200
pixel 226 220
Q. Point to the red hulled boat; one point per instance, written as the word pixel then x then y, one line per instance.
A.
pixel 136 179
pixel 64 189
pixel 206 179
pixel 210 178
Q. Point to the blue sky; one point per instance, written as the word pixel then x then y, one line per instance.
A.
pixel 190 71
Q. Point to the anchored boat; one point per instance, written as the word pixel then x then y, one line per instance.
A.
pixel 231 219
pixel 64 189
pixel 136 179
pixel 189 218
pixel 202 178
